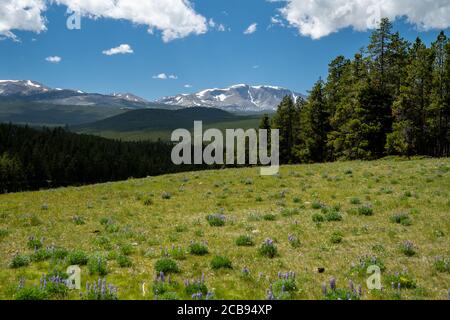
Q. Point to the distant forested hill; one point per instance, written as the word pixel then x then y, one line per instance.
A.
pixel 40 114
pixel 154 124
pixel 32 159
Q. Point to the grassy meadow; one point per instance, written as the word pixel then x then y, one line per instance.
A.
pixel 324 221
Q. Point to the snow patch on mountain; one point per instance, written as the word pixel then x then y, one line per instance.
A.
pixel 34 91
pixel 239 97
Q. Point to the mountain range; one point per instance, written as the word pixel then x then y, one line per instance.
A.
pixel 33 103
pixel 237 98
pixel 32 91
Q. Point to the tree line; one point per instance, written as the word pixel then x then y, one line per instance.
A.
pixel 391 98
pixel 46 158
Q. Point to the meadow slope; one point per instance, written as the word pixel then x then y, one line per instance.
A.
pixel 341 217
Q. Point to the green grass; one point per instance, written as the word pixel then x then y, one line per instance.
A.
pixel 122 239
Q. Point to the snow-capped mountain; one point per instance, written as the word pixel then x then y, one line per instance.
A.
pixel 129 96
pixel 241 98
pixel 32 91
pixel 21 87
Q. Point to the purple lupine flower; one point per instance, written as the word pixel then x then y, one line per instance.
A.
pixel 351 286
pixel 333 284
pixel 360 291
pixel 246 271
pixel 270 295
pixel 197 296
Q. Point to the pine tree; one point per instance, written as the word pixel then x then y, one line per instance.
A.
pixel 265 122
pixel 397 61
pixel 346 140
pixel 410 107
pixel 446 103
pixel 378 50
pixel 438 119
pixel 315 127
pixel 286 120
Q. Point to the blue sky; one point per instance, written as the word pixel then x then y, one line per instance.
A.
pixel 273 54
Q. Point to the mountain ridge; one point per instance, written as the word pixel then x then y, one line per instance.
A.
pixel 240 97
pixel 33 91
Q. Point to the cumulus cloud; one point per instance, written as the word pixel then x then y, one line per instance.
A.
pixel 174 18
pixel 164 76
pixel 122 49
pixel 21 15
pixel 251 29
pixel 319 18
pixel 53 59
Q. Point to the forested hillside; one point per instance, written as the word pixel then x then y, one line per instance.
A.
pixel 392 98
pixel 31 159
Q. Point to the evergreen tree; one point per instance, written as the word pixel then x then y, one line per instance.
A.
pixel 315 127
pixel 438 113
pixel 286 120
pixel 11 173
pixel 265 122
pixel 379 52
pixel 410 107
pixel 398 61
pixel 337 82
pixel 446 103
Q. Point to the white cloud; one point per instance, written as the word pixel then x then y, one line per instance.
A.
pixel 319 18
pixel 188 86
pixel 164 76
pixel 53 59
pixel 256 66
pixel 122 49
pixel 21 15
pixel 251 29
pixel 174 18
